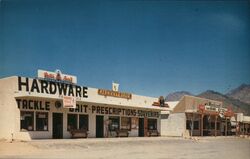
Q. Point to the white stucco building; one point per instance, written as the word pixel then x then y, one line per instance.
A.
pixel 34 108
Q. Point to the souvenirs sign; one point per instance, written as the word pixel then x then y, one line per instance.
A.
pixel 46 105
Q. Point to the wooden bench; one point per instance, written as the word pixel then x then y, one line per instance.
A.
pixel 153 133
pixel 79 133
pixel 122 133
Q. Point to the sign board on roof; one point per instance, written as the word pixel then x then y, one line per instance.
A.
pixel 57 76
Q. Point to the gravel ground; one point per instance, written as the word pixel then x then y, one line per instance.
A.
pixel 140 148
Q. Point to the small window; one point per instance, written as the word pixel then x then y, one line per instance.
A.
pixel 27 121
pixel 164 116
pixel 84 122
pixel 72 122
pixel 114 123
pixel 152 124
pixel 125 123
pixel 42 121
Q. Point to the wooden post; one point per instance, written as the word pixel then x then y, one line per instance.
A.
pixel 243 128
pixel 202 124
pixel 226 128
pixel 192 126
pixel 145 126
pixel 215 126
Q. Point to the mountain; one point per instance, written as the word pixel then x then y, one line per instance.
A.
pixel 236 104
pixel 176 96
pixel 242 93
pixel 238 98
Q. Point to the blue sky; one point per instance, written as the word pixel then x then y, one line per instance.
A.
pixel 149 47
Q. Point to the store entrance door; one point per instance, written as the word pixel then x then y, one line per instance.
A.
pixel 99 126
pixel 141 127
pixel 57 126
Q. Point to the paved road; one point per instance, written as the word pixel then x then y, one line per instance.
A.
pixel 122 148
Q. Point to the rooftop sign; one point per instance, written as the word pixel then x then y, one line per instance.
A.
pixel 57 76
pixel 114 94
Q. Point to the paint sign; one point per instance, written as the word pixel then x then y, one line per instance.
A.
pixel 69 102
pixel 57 76
pixel 114 94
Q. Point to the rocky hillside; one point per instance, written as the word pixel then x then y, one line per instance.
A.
pixel 242 93
pixel 176 96
pixel 237 105
pixel 238 99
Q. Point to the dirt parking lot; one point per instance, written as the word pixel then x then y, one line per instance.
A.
pixel 140 148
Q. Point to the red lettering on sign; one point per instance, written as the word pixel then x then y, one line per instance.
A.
pixel 48 75
pixel 201 107
pixel 70 79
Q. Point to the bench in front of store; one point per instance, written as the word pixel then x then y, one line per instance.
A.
pixel 122 133
pixel 79 133
pixel 153 133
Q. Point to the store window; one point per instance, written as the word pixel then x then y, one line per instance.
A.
pixel 72 122
pixel 41 121
pixel 84 122
pixel 114 123
pixel 189 125
pixel 27 121
pixel 152 124
pixel 196 125
pixel 125 123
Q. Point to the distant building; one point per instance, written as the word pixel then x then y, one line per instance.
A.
pixel 243 124
pixel 194 116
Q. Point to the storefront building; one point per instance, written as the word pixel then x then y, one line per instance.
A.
pixel 243 124
pixel 194 116
pixel 53 104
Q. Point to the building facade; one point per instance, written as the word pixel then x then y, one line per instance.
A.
pixel 243 124
pixel 194 116
pixel 52 105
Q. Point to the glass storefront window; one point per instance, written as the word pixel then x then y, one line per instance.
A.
pixel 196 125
pixel 125 123
pixel 72 122
pixel 189 125
pixel 84 122
pixel 114 123
pixel 27 120
pixel 152 124
pixel 41 121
